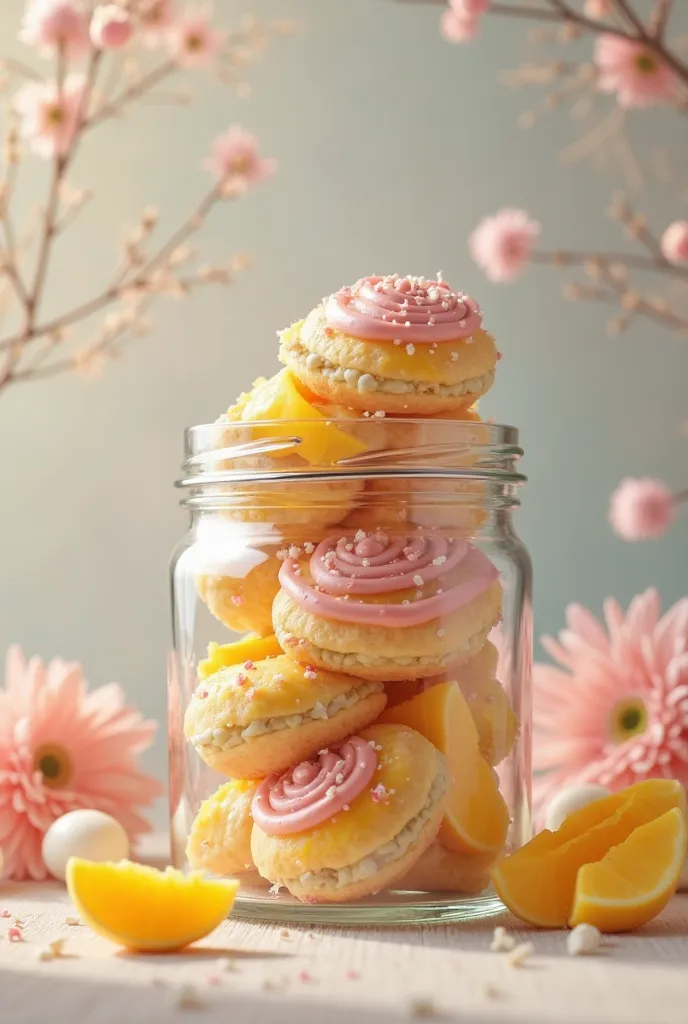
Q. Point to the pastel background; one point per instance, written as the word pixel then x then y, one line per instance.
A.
pixel 391 145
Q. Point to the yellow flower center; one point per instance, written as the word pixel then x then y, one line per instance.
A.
pixel 629 718
pixel 646 63
pixel 54 764
pixel 194 43
pixel 55 115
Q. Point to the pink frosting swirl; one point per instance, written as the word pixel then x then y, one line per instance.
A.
pixel 314 791
pixel 343 568
pixel 406 309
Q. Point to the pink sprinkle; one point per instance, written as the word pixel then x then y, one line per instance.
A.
pixel 305 976
pixel 328 332
pixel 353 975
pixel 500 355
pixel 249 665
pixel 237 600
pixel 202 695
pixel 410 349
pixel 380 795
pixel 214 979
pixel 310 673
pixel 241 679
pixel 5 912
pixel 15 935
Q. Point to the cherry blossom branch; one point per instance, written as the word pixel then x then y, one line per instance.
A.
pixel 56 118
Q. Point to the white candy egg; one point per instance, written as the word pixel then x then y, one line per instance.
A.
pixel 92 835
pixel 570 799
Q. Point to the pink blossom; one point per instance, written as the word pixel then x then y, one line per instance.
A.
pixel 49 117
pixel 675 242
pixel 457 28
pixel 469 8
pixel 614 710
pixel 50 25
pixel 597 8
pixel 234 158
pixel 502 244
pixel 641 509
pixel 63 748
pixel 192 40
pixel 111 27
pixel 632 71
pixel 155 17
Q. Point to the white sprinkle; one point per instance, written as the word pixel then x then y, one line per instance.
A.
pixel 440 560
pixel 274 891
pixel 329 793
pixel 309 548
pixel 424 1009
pixel 53 951
pixel 359 536
pixel 410 348
pixel 518 956
pixel 284 933
pixel 365 563
pixel 584 938
pixel 294 552
pixel 73 922
pixel 379 414
pixel 454 357
pixel 502 941
pixel 441 633
pixel 418 580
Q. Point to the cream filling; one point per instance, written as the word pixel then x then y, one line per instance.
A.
pixel 385 855
pixel 229 736
pixel 368 382
pixel 337 660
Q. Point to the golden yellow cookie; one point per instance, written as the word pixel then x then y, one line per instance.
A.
pixel 442 870
pixel 321 619
pixel 220 837
pixel 395 374
pixel 253 719
pixel 366 846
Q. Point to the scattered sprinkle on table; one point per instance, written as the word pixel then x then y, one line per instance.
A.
pixel 72 921
pixel 585 938
pixel 54 950
pixel 188 998
pixel 424 1009
pixel 502 941
pixel 519 954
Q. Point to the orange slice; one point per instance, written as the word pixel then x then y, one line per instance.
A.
pixel 537 882
pixel 279 398
pixel 477 818
pixel 147 910
pixel 250 648
pixel 635 880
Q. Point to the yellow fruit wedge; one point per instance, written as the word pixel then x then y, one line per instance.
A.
pixel 476 819
pixel 322 443
pixel 250 648
pixel 147 910
pixel 634 882
pixel 537 882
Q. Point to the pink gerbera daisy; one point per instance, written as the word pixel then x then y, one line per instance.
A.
pixel 633 71
pixel 61 749
pixel 617 710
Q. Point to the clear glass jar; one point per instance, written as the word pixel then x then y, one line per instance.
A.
pixel 374 565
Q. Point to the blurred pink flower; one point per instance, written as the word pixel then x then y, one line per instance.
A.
pixel 49 118
pixel 469 8
pixel 502 244
pixel 234 158
pixel 637 76
pixel 597 8
pixel 63 748
pixel 48 25
pixel 616 711
pixel 641 509
pixel 675 242
pixel 155 17
pixel 192 40
pixel 457 28
pixel 111 27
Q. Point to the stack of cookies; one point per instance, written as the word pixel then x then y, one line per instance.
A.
pixel 360 720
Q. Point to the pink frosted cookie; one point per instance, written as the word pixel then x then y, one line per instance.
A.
pixel 397 344
pixel 351 819
pixel 387 607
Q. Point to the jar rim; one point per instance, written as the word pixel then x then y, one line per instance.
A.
pixel 446 449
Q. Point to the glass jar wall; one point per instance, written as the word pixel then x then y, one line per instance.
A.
pixel 349 688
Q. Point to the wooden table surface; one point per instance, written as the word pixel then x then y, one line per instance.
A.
pixel 246 973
